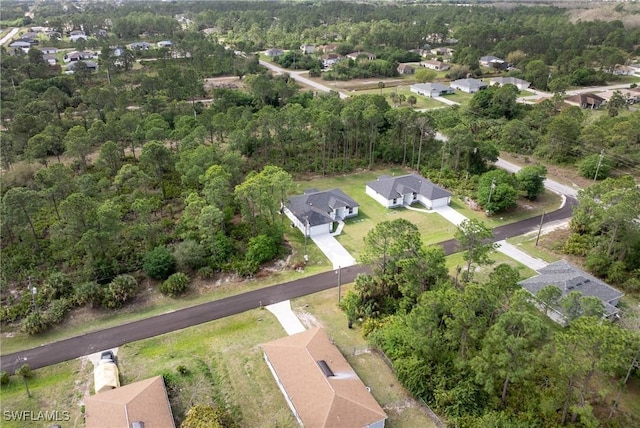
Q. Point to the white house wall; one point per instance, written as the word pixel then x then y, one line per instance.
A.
pixel 378 197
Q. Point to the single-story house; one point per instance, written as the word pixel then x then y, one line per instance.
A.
pixel 470 86
pixel 407 189
pixel 315 212
pixel 493 62
pixel 447 52
pixel 631 95
pixel 361 54
pixel 91 65
pixel 77 33
pixel 142 404
pixel 518 83
pixel 568 278
pixel 49 50
pixel 320 387
pixel 76 37
pixel 623 70
pixel 328 48
pixel 422 52
pixel 435 65
pixel 50 58
pixel 30 35
pixel 431 89
pixel 330 59
pixel 406 69
pixel 78 56
pixel 587 101
pixel 144 46
pixel 53 35
pixel 273 52
pixel 164 43
pixel 307 49
pixel 20 44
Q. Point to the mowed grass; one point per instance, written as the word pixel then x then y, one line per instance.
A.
pixel 422 102
pixel 59 388
pixel 481 273
pixel 322 309
pixel 225 364
pixel 433 227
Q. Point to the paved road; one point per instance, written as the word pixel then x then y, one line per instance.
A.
pixel 9 35
pixel 295 75
pixel 116 336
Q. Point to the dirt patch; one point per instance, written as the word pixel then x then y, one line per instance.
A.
pixel 307 319
pixel 227 82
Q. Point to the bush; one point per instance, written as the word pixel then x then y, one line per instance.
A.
pixel 57 286
pixel 175 285
pixel 4 378
pixel 119 291
pixel 57 311
pixel 90 293
pixel 182 370
pixel 190 255
pixel 589 166
pixel 34 324
pixel 261 249
pixel 159 263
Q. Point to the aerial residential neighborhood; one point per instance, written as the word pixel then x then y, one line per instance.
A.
pixel 319 214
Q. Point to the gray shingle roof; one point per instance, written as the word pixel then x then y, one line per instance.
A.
pixel 314 205
pixel 468 83
pixel 569 278
pixel 394 187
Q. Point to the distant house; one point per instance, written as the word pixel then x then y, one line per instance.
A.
pixel 273 52
pixel 76 35
pixel 586 101
pixel 470 86
pixel 435 65
pixel 142 404
pixel 330 59
pixel 49 50
pixel 407 189
pixel 569 278
pixel 30 35
pixel 91 65
pixel 53 35
pixel 631 95
pixel 431 89
pixel 446 52
pixel 320 387
pixel 493 62
pixel 102 33
pixel 422 52
pixel 315 212
pixel 140 46
pixel 164 44
pixel 20 44
pixel 406 69
pixel 623 70
pixel 518 83
pixel 78 56
pixel 356 55
pixel 328 48
pixel 307 49
pixel 50 58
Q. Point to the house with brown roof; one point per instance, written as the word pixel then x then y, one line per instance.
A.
pixel 361 54
pixel 140 404
pixel 589 101
pixel 318 383
pixel 406 69
pixel 435 65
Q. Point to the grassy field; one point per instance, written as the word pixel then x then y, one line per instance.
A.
pixel 482 272
pixel 422 102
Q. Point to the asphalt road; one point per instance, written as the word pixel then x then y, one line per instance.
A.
pixel 88 343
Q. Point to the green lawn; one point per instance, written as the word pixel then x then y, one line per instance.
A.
pixel 422 102
pixel 482 272
pixel 460 97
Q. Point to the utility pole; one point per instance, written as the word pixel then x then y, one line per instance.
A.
pixel 540 228
pixel 306 235
pixel 493 186
pixel 339 281
pixel 595 178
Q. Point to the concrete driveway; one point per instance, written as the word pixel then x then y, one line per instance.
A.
pixel 520 256
pixel 334 251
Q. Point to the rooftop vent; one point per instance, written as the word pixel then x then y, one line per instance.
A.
pixel 137 424
pixel 325 368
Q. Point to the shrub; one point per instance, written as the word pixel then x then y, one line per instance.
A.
pixel 182 370
pixel 159 263
pixel 4 378
pixel 119 291
pixel 34 324
pixel 57 286
pixel 261 249
pixel 175 285
pixel 90 293
pixel 589 166
pixel 57 311
pixel 190 255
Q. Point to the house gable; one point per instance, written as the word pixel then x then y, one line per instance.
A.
pixel 315 211
pixel 319 384
pixel 407 189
